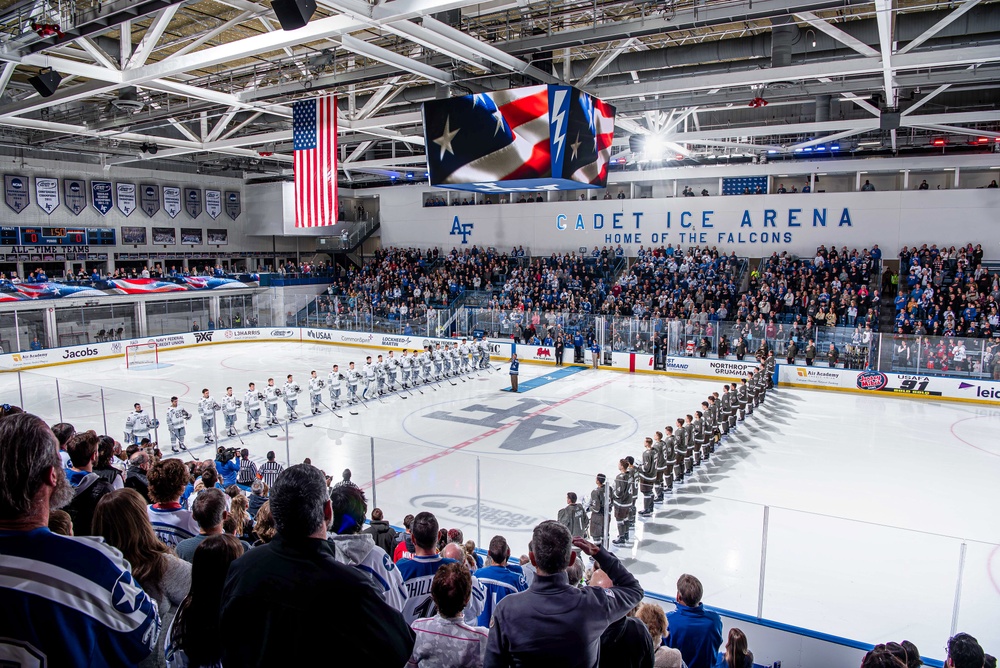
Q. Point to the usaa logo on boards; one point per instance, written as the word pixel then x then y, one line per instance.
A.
pixel 461 229
pixel 872 380
pixel 325 336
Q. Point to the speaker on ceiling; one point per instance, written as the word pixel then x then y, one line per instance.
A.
pixel 888 119
pixel 293 14
pixel 46 82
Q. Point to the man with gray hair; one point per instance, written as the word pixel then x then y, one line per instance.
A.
pixel 138 465
pixel 553 623
pixel 301 599
pixel 47 581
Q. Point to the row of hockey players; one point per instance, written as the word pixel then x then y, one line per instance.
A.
pixel 385 375
pixel 675 452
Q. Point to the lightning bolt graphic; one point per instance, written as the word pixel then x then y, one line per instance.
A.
pixel 560 137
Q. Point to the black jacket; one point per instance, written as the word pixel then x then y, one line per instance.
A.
pixel 626 644
pixel 81 509
pixel 288 595
pixel 136 479
pixel 383 535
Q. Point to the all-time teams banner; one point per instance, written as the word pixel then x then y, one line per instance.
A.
pixel 751 225
pixel 535 138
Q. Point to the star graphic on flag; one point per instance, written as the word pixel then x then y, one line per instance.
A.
pixel 497 115
pixel 444 141
pixel 575 146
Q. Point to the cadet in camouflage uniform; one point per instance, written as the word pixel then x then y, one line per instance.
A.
pixel 647 477
pixel 597 509
pixel 622 498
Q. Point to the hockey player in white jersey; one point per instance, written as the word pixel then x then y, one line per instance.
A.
pixel 207 407
pixel 316 385
pixel 426 360
pixel 438 359
pixel 334 381
pixel 251 402
pixel 291 392
pixel 230 406
pixel 353 378
pixel 138 425
pixel 176 417
pixel 463 354
pixel 368 371
pixel 380 373
pixel 406 367
pixel 271 395
pixel 392 366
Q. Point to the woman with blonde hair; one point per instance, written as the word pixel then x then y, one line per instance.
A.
pixel 655 620
pixel 121 519
pixel 737 654
pixel 241 525
pixel 264 525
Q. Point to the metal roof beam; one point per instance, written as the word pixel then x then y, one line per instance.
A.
pixel 940 25
pixel 833 31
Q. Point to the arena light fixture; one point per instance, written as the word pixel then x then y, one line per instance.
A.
pixel 938 141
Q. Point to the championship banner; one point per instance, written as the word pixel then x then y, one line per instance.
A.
pixel 213 203
pixel 75 195
pixel 47 194
pixel 535 138
pixel 233 206
pixel 100 192
pixel 126 197
pixel 192 201
pixel 149 199
pixel 171 201
pixel 15 192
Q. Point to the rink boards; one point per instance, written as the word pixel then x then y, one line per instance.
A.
pixel 819 378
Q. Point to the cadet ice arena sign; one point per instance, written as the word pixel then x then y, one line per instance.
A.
pixel 753 225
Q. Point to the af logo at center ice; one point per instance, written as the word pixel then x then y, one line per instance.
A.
pixel 533 426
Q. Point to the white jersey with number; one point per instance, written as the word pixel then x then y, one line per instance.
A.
pixel 230 404
pixel 252 400
pixel 291 391
pixel 207 407
pixel 334 379
pixel 138 424
pixel 176 417
pixel 271 394
pixel 353 377
pixel 315 386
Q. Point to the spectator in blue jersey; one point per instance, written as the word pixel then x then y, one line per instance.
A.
pixel 554 623
pixel 578 348
pixel 64 431
pixel 497 578
pixel 286 601
pixel 695 631
pixel 357 549
pixel 171 523
pixel 118 625
pixel 418 572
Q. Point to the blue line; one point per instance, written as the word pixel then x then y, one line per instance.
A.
pixel 550 377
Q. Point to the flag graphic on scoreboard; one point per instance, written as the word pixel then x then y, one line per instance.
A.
pixel 589 131
pixel 496 136
pixel 314 136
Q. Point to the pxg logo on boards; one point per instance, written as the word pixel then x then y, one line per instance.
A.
pixel 282 333
pixel 74 354
pixel 203 337
pixel 461 229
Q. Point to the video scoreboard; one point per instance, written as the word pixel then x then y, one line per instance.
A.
pixel 57 236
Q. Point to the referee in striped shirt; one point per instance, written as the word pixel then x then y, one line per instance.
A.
pixel 248 471
pixel 270 469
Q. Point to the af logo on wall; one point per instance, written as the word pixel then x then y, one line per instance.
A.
pixel 463 230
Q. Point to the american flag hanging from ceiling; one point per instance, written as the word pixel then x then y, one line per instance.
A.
pixel 314 135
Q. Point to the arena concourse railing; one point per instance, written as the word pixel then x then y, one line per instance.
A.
pixel 772 570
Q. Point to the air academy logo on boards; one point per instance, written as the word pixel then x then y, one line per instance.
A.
pixel 493 514
pixel 203 337
pixel 872 380
pixel 532 427
pixel 461 229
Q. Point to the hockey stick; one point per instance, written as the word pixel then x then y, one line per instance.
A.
pixel 331 409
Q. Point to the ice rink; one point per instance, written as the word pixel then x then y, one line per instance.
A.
pixel 880 514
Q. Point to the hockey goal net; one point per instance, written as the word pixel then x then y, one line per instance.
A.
pixel 141 354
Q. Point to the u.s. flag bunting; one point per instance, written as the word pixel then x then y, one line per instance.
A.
pixel 314 137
